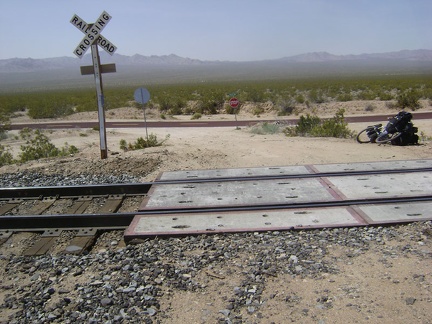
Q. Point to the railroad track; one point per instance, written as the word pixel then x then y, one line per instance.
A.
pixel 91 209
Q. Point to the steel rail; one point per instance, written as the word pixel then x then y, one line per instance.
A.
pixel 122 220
pixel 143 188
pixel 75 191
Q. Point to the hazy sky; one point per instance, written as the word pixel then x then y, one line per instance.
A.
pixel 235 30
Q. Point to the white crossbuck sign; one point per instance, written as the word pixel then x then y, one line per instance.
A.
pixel 93 34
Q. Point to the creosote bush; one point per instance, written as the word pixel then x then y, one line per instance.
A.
pixel 409 99
pixel 311 125
pixel 5 156
pixel 265 128
pixel 39 146
pixel 196 116
pixel 141 143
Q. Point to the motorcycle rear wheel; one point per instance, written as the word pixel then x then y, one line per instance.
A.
pixel 362 137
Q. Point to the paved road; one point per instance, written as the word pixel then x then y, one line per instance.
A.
pixel 222 123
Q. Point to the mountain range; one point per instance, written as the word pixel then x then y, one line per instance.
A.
pixel 23 74
pixel 15 65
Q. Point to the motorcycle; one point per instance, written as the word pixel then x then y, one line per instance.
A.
pixel 398 131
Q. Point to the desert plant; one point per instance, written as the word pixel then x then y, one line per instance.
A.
pixel 39 146
pixel 196 116
pixel 4 124
pixel 286 106
pixel 5 156
pixel 408 99
pixel 311 125
pixel 370 107
pixel 265 128
pixel 306 124
pixel 333 127
pixel 141 143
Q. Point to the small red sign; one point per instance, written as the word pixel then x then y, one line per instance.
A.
pixel 233 102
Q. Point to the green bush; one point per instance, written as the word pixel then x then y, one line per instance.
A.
pixel 409 99
pixel 5 156
pixel 344 97
pixel 286 107
pixel 306 124
pixel 265 128
pixel 333 127
pixel 196 116
pixel 39 146
pixel 313 126
pixel 4 124
pixel 142 143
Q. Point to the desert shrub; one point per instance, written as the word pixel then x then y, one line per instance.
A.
pixel 285 107
pixel 385 95
pixel 257 111
pixel 333 127
pixel 300 99
pixel 306 124
pixel 230 110
pixel 4 124
pixel 370 107
pixel 344 97
pixel 366 95
pixel 316 96
pixel 39 146
pixel 141 143
pixel 123 145
pixel 265 128
pixel 196 116
pixel 391 105
pixel 408 99
pixel 311 125
pixel 5 156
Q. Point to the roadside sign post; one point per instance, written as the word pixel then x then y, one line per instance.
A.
pixel 234 103
pixel 93 38
pixel 142 96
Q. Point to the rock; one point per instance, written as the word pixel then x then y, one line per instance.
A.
pixel 410 300
pixel 106 301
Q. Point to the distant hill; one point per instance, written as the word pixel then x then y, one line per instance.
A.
pixel 31 65
pixel 64 72
pixel 405 55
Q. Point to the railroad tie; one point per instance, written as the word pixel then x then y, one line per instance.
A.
pixel 44 244
pixel 41 206
pixel 11 204
pixel 79 206
pixel 112 204
pixel 82 241
pixel 4 236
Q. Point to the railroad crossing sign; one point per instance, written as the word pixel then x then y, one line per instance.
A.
pixel 93 38
pixel 92 33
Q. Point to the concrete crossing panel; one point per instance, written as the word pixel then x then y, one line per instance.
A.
pixel 230 173
pixel 383 185
pixel 285 203
pixel 235 193
pixel 268 220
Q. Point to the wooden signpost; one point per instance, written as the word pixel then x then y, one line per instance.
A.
pixel 92 38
